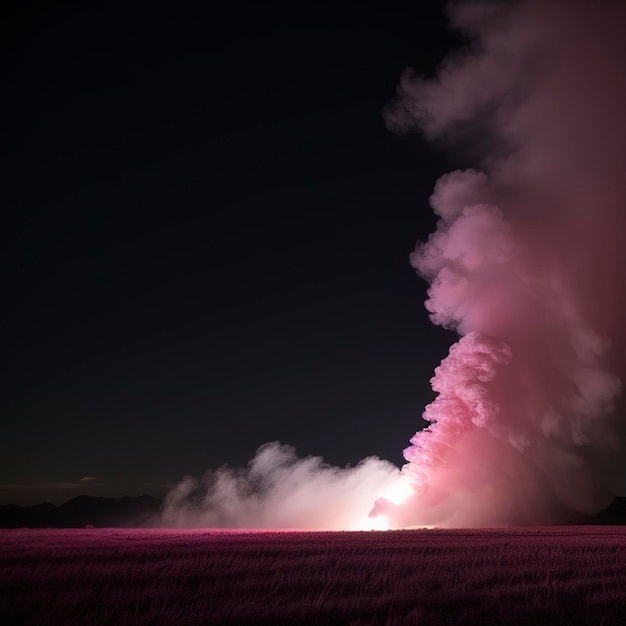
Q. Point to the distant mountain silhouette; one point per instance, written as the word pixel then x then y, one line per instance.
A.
pixel 126 512
pixel 615 513
pixel 143 512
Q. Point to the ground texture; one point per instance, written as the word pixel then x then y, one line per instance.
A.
pixel 562 575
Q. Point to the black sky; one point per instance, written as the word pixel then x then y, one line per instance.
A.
pixel 206 232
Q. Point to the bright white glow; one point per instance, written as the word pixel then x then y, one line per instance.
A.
pixel 399 490
pixel 379 522
pixel 396 492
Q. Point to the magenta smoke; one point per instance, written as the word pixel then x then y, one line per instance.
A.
pixel 526 265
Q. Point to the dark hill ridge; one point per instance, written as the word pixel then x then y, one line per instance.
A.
pixel 615 513
pixel 126 512
pixel 143 512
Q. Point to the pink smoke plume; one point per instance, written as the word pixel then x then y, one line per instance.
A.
pixel 526 264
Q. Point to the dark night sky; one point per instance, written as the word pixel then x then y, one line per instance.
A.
pixel 206 232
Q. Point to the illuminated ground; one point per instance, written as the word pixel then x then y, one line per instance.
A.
pixel 573 575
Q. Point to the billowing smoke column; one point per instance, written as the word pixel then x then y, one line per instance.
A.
pixel 526 264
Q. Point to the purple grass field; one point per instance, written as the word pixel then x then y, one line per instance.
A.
pixel 569 575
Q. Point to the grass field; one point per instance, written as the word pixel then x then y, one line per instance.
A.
pixel 566 575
